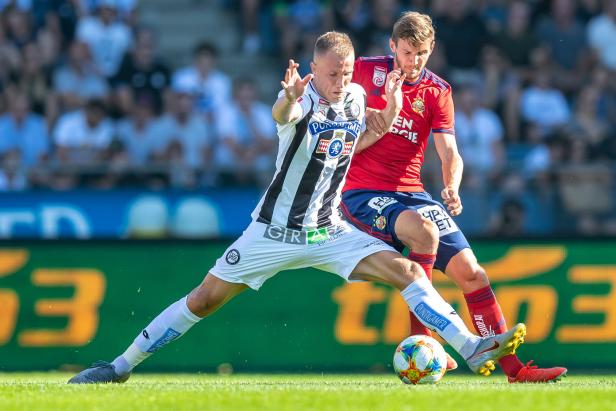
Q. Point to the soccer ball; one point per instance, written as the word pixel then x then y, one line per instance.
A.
pixel 420 359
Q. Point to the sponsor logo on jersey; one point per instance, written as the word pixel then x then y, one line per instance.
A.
pixel 380 203
pixel 378 76
pixel 380 222
pixel 439 216
pixel 322 107
pixel 431 317
pixel 353 127
pixel 418 106
pixel 232 257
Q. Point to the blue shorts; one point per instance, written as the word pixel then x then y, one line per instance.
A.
pixel 376 212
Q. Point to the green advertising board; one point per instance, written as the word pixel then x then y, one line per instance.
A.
pixel 70 303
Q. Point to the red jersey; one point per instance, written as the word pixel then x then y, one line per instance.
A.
pixel 394 162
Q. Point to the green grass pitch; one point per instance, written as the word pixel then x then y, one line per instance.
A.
pixel 49 391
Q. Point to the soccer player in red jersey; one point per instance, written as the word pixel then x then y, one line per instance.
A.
pixel 384 195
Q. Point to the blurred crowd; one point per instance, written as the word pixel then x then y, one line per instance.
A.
pixel 87 101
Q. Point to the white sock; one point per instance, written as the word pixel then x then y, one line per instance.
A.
pixel 436 314
pixel 169 325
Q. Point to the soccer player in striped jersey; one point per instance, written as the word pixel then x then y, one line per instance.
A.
pixel 320 118
pixel 384 195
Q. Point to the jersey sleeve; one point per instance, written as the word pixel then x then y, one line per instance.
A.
pixel 443 116
pixel 304 102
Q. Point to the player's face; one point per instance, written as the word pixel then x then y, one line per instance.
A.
pixel 411 59
pixel 332 74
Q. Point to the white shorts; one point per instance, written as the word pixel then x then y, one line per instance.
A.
pixel 264 250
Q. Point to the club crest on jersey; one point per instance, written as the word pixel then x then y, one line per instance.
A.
pixel 379 75
pixel 336 146
pixel 418 106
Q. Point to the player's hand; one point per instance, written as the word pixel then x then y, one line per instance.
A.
pixel 375 121
pixel 393 87
pixel 293 84
pixel 452 201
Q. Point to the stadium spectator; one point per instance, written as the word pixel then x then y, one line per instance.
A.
pixel 83 136
pixel 211 87
pixel 601 32
pixel 185 140
pixel 375 37
pixel 23 131
pixel 479 134
pixel 78 80
pixel 565 38
pixel 462 35
pixel 107 37
pixel 247 136
pixel 12 176
pixel 18 27
pixel 137 135
pixel 142 78
pixel 516 41
pixel 543 104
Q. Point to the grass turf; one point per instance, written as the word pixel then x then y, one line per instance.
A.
pixel 49 391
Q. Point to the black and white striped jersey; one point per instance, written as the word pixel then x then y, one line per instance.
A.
pixel 314 154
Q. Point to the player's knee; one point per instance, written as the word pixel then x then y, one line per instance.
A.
pixel 202 302
pixel 477 276
pixel 418 232
pixel 407 272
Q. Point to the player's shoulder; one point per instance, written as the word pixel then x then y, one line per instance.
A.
pixel 432 79
pixel 367 63
pixel 355 90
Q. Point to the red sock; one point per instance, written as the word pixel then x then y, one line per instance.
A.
pixel 488 320
pixel 426 261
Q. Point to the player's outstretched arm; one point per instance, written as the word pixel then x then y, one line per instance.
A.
pixel 287 109
pixel 378 123
pixel 451 167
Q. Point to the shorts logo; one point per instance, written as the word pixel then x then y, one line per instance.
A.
pixel 380 203
pixel 418 106
pixel 378 76
pixel 439 216
pixel 232 257
pixel 380 222
pixel 430 316
pixel 314 236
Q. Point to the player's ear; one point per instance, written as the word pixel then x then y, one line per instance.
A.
pixel 312 66
pixel 392 45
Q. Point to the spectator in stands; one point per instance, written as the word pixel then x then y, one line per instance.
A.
pixel 462 35
pixel 18 27
pixel 142 78
pixel 185 139
pixel 108 38
pixel 83 136
pixel 602 34
pixel 24 132
pixel 300 21
pixel 247 135
pixel 126 9
pixel 375 37
pixel 565 38
pixel 210 86
pixel 479 134
pixel 12 176
pixel 78 80
pixel 9 56
pixel 138 137
pixel 517 40
pixel 543 104
pixel 586 124
pixel 35 80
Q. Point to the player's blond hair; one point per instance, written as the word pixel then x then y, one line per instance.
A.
pixel 334 41
pixel 413 27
